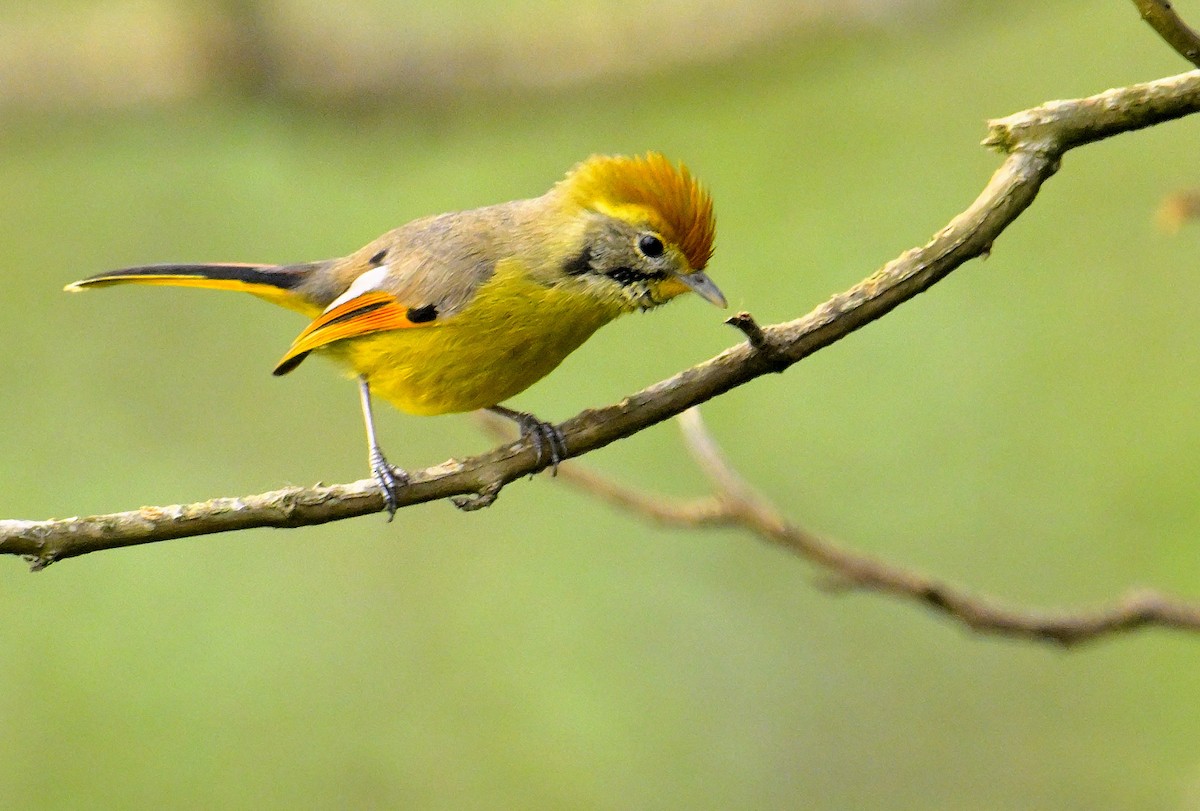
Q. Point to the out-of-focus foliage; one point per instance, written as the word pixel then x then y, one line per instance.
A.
pixel 1028 428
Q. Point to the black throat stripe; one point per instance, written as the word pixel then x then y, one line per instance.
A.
pixel 627 276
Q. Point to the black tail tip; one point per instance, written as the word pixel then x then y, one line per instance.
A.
pixel 289 364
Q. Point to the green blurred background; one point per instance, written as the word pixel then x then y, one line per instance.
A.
pixel 1027 428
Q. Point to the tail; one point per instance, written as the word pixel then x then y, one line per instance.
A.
pixel 276 283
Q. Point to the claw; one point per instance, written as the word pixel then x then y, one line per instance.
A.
pixel 390 479
pixel 549 444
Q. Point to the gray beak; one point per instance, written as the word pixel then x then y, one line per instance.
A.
pixel 701 284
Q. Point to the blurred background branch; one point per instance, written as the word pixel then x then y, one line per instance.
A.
pixel 734 502
pixel 132 52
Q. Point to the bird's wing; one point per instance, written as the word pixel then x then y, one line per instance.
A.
pixel 374 311
pixel 396 283
pixel 442 261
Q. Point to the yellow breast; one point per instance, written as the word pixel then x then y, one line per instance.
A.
pixel 513 333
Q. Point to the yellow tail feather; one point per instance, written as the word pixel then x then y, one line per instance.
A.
pixel 271 282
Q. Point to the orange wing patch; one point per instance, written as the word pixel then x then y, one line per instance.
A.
pixel 373 311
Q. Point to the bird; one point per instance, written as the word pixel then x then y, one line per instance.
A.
pixel 462 311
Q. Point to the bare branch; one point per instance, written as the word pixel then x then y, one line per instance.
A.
pixel 1034 140
pixel 735 503
pixel 1171 27
pixel 1058 126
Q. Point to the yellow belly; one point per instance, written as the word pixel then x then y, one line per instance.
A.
pixel 512 334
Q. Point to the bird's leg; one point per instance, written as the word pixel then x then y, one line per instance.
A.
pixel 389 477
pixel 546 438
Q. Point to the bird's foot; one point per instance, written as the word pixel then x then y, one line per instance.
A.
pixel 391 480
pixel 549 444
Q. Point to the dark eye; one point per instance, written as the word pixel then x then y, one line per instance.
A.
pixel 650 245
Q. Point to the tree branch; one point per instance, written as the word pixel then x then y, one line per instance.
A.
pixel 1034 141
pixel 1178 34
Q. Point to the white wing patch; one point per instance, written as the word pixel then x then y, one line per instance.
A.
pixel 366 282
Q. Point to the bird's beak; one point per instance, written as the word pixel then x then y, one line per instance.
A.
pixel 701 284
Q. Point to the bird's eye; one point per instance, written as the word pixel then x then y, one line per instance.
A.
pixel 650 245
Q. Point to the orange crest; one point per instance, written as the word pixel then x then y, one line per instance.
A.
pixel 652 188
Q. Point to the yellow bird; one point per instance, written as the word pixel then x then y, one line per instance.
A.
pixel 462 311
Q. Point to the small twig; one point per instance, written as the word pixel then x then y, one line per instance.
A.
pixel 775 359
pixel 750 328
pixel 735 502
pixel 1171 27
pixel 484 497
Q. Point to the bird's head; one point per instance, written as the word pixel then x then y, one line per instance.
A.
pixel 647 230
